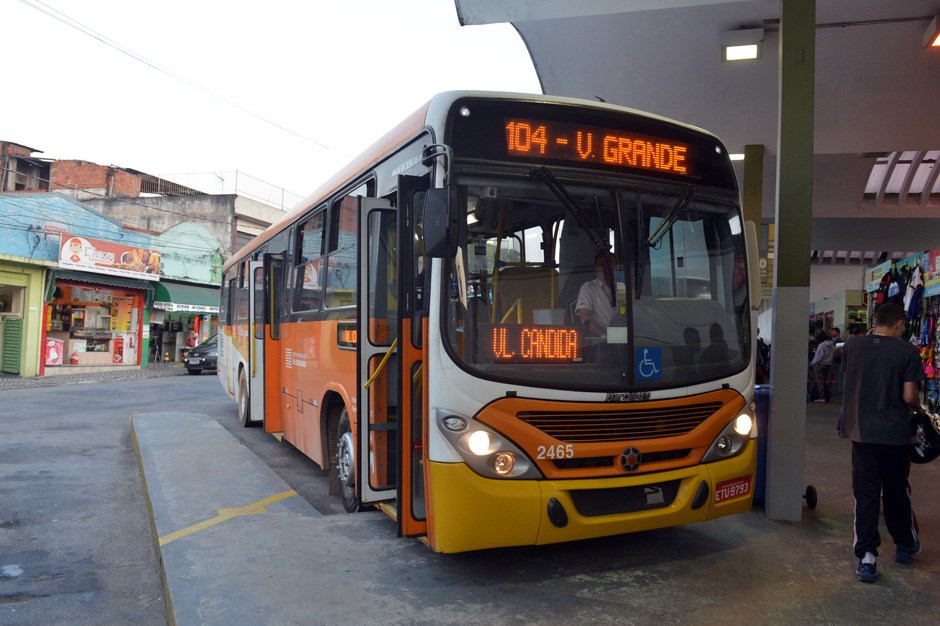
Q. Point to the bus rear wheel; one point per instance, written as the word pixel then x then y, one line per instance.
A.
pixel 346 464
pixel 244 402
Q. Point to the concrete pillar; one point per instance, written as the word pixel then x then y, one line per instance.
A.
pixel 752 189
pixel 787 420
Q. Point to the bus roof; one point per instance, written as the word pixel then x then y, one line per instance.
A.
pixel 435 108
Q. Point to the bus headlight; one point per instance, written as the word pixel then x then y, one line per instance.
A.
pixel 486 451
pixel 743 424
pixel 504 462
pixel 732 439
pixel 479 442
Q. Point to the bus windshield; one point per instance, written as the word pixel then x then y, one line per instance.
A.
pixel 529 292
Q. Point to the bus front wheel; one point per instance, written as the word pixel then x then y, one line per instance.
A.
pixel 346 464
pixel 244 403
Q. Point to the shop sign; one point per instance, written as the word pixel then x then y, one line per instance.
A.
pixel 186 308
pixel 932 273
pixel 106 257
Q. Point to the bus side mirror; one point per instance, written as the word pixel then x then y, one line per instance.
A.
pixel 440 222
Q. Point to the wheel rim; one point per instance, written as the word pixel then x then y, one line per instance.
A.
pixel 345 464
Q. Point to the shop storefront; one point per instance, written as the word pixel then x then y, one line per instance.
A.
pixel 94 313
pixel 914 283
pixel 184 315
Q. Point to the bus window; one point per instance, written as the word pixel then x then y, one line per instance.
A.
pixel 342 270
pixel 223 303
pixel 241 294
pixel 516 281
pixel 307 264
pixel 259 303
pixel 383 263
pixel 679 265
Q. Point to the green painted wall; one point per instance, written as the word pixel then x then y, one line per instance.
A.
pixel 32 278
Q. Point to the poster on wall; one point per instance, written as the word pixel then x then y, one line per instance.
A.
pixel 874 275
pixel 117 356
pixel 121 311
pixel 932 273
pixel 106 257
pixel 130 348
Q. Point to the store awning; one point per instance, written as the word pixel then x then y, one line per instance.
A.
pixel 74 276
pixel 188 298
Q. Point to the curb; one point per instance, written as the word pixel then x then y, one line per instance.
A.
pixel 8 382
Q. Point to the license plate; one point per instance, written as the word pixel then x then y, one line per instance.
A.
pixel 734 488
pixel 194 361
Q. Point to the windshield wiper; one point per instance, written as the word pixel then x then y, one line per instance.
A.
pixel 548 179
pixel 640 220
pixel 678 208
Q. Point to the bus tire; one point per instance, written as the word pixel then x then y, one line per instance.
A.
pixel 244 400
pixel 346 464
pixel 331 434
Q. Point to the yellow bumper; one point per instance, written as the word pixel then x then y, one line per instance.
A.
pixel 469 512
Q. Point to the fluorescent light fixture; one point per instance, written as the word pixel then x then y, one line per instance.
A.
pixel 932 34
pixel 742 53
pixel 741 44
pixel 736 156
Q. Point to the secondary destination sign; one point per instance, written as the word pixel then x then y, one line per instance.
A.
pixel 517 343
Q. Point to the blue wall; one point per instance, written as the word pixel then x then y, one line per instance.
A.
pixel 30 225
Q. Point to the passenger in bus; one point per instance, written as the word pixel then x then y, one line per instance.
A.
pixel 594 308
pixel 717 351
pixel 686 356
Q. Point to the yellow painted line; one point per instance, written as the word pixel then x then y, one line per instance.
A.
pixel 256 508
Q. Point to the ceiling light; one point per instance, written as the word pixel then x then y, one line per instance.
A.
pixel 741 44
pixel 932 35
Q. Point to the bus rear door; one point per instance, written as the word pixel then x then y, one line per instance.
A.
pixel 256 368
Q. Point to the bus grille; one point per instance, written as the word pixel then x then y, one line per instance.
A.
pixel 596 502
pixel 646 423
pixel 608 461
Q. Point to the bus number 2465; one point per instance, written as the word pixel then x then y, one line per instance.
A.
pixel 561 451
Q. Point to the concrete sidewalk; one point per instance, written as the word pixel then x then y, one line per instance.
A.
pixel 239 546
pixel 97 375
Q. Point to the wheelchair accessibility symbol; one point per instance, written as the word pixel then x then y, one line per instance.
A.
pixel 649 363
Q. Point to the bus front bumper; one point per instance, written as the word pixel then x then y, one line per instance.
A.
pixel 469 512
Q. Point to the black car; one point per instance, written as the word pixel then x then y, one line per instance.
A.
pixel 204 357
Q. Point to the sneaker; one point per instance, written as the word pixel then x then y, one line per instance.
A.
pixel 867 572
pixel 905 555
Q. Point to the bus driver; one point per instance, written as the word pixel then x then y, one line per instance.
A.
pixel 594 308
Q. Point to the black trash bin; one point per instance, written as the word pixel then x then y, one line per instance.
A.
pixel 762 400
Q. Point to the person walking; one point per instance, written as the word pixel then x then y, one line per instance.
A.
pixel 822 365
pixel 882 373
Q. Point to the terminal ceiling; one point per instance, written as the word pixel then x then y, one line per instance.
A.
pixel 877 134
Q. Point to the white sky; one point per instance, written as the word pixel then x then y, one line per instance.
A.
pixel 341 72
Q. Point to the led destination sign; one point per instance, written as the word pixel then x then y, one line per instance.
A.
pixel 516 343
pixel 594 144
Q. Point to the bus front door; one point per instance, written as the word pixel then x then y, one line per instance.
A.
pixel 378 365
pixel 412 276
pixel 256 304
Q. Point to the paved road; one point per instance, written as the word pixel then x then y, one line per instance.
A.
pixel 75 539
pixel 76 544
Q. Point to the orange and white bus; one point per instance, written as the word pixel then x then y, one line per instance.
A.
pixel 414 327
